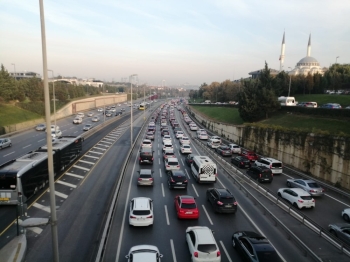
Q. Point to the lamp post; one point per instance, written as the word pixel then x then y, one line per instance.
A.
pixel 54 97
pixel 14 66
pixel 336 59
pixel 290 81
pixel 131 108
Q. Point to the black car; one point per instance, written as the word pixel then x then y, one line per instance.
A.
pixel 254 247
pixel 222 200
pixel 177 179
pixel 241 161
pixel 260 173
pixel 189 159
pixel 224 150
pixel 146 155
pixel 177 129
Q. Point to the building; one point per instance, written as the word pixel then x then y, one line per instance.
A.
pixel 24 75
pixel 255 74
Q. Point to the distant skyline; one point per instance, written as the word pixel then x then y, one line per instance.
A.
pixel 177 41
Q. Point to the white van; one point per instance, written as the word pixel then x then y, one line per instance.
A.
pixel 287 101
pixel 203 169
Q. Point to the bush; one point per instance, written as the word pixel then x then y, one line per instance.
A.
pixel 325 112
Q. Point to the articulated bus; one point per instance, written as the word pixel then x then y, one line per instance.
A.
pixel 22 178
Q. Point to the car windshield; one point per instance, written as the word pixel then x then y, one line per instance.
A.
pixel 188 205
pixel 267 256
pixel 207 248
pixel 145 176
pixel 276 164
pixel 313 185
pixel 306 197
pixel 141 212
pixel 172 163
pixel 228 200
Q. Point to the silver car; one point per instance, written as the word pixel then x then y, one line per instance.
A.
pixel 341 231
pixel 5 142
pixel 145 177
pixel 87 127
pixel 40 127
pixel 309 186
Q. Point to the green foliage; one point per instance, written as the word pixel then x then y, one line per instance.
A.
pixel 10 114
pixel 229 115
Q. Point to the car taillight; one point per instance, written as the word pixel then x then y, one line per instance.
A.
pixel 140 158
pixel 219 203
pixel 172 181
pixel 195 254
pixel 235 203
pixel 152 158
pixel 270 166
pixel 312 191
pixel 167 166
pixel 185 181
pixel 300 201
pixel 132 217
pixel 139 179
pixel 151 179
pixel 149 217
pixel 218 254
pixel 313 200
pixel 177 166
pixel 259 175
pixel 216 174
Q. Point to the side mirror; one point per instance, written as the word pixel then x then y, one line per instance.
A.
pixel 160 256
pixel 127 256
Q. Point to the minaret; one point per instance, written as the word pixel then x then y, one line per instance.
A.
pixel 309 47
pixel 282 52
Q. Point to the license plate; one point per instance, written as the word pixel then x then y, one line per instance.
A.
pixel 228 206
pixel 4 199
pixel 266 179
pixel 179 183
pixel 189 213
pixel 246 165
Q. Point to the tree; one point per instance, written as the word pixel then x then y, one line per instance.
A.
pixel 309 82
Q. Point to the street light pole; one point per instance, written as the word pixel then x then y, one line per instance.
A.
pixel 14 65
pixel 290 81
pixel 54 96
pixel 131 108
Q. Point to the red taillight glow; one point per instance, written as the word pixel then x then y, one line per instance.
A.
pixel 219 203
pixel 218 254
pixel 195 254
pixel 139 179
pixel 235 203
pixel 313 200
pixel 132 217
pixel 300 201
pixel 149 217
pixel 172 181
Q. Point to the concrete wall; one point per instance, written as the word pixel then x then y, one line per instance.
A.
pixel 325 157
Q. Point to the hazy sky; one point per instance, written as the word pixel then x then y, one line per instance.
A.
pixel 182 41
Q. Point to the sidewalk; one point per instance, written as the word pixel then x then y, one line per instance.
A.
pixel 15 250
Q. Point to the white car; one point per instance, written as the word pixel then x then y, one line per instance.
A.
pixel 213 143
pixel 80 115
pixel 179 134
pixel 297 197
pixel 90 114
pixel 193 127
pixel 167 145
pixel 185 140
pixel 144 253
pixel 100 110
pixel 77 120
pixel 95 119
pixel 146 143
pixel 166 138
pixel 53 128
pixel 216 137
pixel 202 245
pixel 185 149
pixel 346 214
pixel 235 149
pixel 202 135
pixel 56 134
pixel 171 163
pixel 141 212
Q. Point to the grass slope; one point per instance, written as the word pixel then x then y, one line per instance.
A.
pixel 10 115
pixel 227 115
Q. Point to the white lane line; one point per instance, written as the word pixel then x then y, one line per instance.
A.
pixel 182 162
pixel 36 230
pixel 27 146
pixel 173 250
pixel 103 149
pixel 159 161
pixel 158 145
pixel 166 215
pixel 87 162
pixel 224 248
pixel 187 174
pixel 66 184
pixel 220 182
pixel 195 190
pixel 158 152
pixel 94 152
pixel 94 157
pixel 83 168
pixel 59 194
pixel 337 200
pixel 163 190
pixel 44 208
pixel 211 222
pixel 106 142
pixel 8 154
pixel 160 172
pixel 74 175
pixel 109 139
pixel 103 145
pixel 41 140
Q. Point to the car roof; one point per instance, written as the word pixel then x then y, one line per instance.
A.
pixel 145 171
pixel 300 191
pixel 204 235
pixel 171 159
pixel 141 203
pixel 187 199
pixel 177 173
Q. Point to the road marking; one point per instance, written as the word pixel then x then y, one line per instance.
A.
pixel 44 208
pixel 166 215
pixel 9 154
pixel 160 172
pixel 83 168
pixel 187 174
pixel 220 182
pixel 27 146
pixel 223 247
pixel 211 222
pixel 92 157
pixel 66 184
pixel 195 190
pixel 102 144
pixel 337 200
pixel 74 175
pixel 106 142
pixel 36 230
pixel 41 140
pixel 103 149
pixel 173 250
pixel 59 194
pixel 87 162
pixel 159 161
pixel 182 162
pixel 99 153
pixel 109 139
pixel 163 190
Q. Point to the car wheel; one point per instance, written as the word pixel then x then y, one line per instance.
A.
pixel 333 232
pixel 346 217
pixel 169 186
pixel 289 184
pixel 296 205
pixel 279 194
pixel 10 145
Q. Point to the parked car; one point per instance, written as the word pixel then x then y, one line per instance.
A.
pixel 202 245
pixel 141 212
pixel 186 207
pixel 222 200
pixel 95 119
pixel 236 149
pixel 179 134
pixel 177 179
pixel 140 252
pixel 184 140
pixel 254 247
pixel 308 185
pixel 40 127
pixel 260 173
pixel 87 127
pixel 5 142
pixel 224 150
pixel 166 138
pixel 241 161
pixel 167 145
pixel 145 177
pixel 297 197
pixel 150 135
pixel 250 155
pixel 168 153
pixel 146 143
pixel 331 106
pixel 341 231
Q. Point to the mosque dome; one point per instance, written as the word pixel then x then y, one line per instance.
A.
pixel 308 61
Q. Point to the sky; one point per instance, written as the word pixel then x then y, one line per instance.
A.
pixel 171 42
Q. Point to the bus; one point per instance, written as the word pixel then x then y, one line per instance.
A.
pixel 143 106
pixel 23 177
pixel 203 169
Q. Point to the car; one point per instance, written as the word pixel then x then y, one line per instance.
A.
pixel 193 127
pixel 167 145
pixel 90 114
pixel 221 200
pixel 346 214
pixel 341 231
pixel 241 161
pixel 149 135
pixel 202 245
pixel 186 207
pixel 146 143
pixel 213 143
pixel 254 247
pixel 185 149
pixel 298 197
pixel 54 127
pixel 81 115
pixel 308 185
pixel 56 134
pixel 215 137
pixel 184 140
pixel 260 173
pixel 189 159
pixel 168 153
pixel 5 142
pixel 236 149
pixel 177 129
pixel 166 138
pixel 202 135
pixel 275 165
pixel 250 155
pixel 171 163
pixel 224 150
pixel 145 177
pixel 95 119
pixel 77 120
pixel 179 134
pixel 146 155
pixel 141 212
pixel 331 106
pixel 100 110
pixel 177 179
pixel 87 127
pixel 40 127
pixel 113 109
pixel 144 253
pixel 108 113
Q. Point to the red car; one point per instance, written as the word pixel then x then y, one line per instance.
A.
pixel 186 207
pixel 250 155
